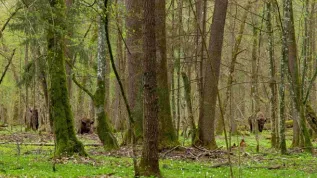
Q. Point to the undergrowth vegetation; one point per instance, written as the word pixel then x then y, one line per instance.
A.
pixel 19 157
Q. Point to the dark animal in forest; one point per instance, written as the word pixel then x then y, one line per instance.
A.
pixel 86 126
pixel 35 119
pixel 258 119
pixel 32 119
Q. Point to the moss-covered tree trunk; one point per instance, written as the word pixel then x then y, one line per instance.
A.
pixel 167 134
pixel 69 50
pixel 187 87
pixel 60 109
pixel 104 129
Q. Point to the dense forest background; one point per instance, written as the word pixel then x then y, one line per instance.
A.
pixel 160 73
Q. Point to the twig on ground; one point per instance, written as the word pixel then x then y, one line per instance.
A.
pixel 169 151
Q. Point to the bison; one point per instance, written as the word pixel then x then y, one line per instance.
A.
pixel 86 126
pixel 258 119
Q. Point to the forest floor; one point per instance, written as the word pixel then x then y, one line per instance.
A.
pixel 28 154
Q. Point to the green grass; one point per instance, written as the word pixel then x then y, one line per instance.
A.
pixel 36 161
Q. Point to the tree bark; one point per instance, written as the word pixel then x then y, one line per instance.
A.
pixel 273 85
pixel 104 129
pixel 167 134
pixel 293 68
pixel 178 65
pixel 60 110
pixel 189 107
pixel 233 62
pixel 254 85
pixel 149 165
pixel 134 62
pixel 207 116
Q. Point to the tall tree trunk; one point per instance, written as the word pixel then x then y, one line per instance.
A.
pixel 149 165
pixel 26 60
pixel 104 129
pixel 134 59
pixel 117 103
pixel 210 91
pixel 273 85
pixel 254 84
pixel 201 34
pixel 312 51
pixel 178 64
pixel 60 110
pixel 236 51
pixel 172 70
pixel 293 68
pixel 282 141
pixel 167 134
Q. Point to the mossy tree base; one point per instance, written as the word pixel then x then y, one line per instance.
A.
pixel 104 132
pixel 104 129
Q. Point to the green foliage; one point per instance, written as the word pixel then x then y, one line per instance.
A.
pixel 36 161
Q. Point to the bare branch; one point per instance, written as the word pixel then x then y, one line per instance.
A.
pixel 7 67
